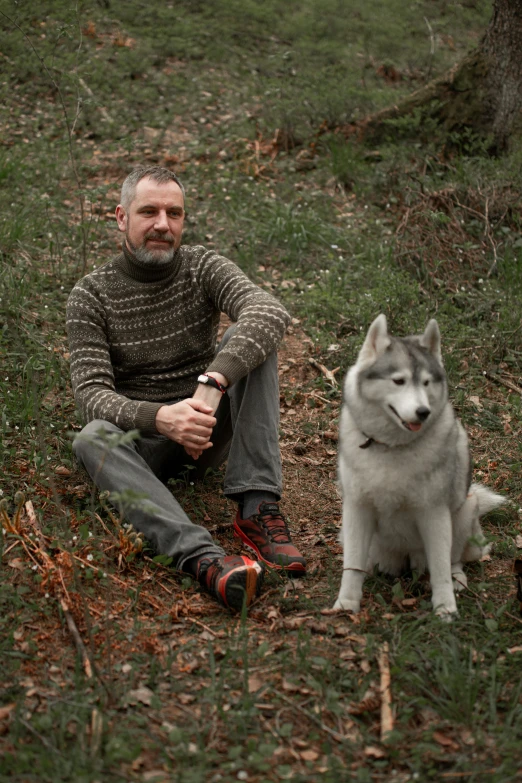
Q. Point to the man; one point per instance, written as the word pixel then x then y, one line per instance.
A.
pixel 143 343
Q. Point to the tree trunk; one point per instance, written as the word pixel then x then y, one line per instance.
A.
pixel 483 92
pixel 501 49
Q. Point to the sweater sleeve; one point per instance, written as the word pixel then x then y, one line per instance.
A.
pixel 261 320
pixel 92 374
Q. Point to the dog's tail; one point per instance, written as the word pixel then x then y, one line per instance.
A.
pixel 479 501
pixel 486 499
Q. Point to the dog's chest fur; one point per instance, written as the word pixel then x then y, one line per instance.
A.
pixel 401 480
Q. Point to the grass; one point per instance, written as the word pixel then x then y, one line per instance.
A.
pixel 247 102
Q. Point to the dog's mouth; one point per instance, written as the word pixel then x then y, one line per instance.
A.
pixel 413 426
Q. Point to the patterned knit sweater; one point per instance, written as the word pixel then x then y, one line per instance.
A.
pixel 140 336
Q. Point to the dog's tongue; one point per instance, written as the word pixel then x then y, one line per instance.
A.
pixel 412 426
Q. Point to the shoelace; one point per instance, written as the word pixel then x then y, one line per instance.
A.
pixel 275 526
pixel 205 567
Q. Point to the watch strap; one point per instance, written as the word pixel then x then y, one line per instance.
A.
pixel 210 381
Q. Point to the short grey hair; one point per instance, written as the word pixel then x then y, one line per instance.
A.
pixel 157 173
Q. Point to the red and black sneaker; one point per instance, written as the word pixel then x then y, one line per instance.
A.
pixel 266 535
pixel 232 579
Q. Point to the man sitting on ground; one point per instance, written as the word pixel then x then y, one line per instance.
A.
pixel 144 356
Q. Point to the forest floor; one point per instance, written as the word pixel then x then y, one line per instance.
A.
pixel 116 667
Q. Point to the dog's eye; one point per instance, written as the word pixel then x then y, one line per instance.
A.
pixel 398 381
pixel 426 383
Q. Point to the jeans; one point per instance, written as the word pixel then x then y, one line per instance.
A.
pixel 246 435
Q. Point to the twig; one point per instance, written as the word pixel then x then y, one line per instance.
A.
pixel 432 45
pixel 487 233
pixel 198 622
pixel 103 111
pixel 42 739
pixel 82 651
pixel 15 543
pixel 465 774
pixel 503 382
pixel 31 516
pixel 312 717
pixel 386 710
pixel 328 374
pixel 512 617
pixel 33 521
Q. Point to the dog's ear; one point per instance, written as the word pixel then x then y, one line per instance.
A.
pixel 376 342
pixel 431 339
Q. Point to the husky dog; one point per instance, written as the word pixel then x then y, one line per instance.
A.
pixel 405 470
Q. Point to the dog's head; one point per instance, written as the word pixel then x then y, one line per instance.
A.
pixel 404 377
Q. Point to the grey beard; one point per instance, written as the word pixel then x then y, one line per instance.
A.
pixel 152 258
pixel 155 258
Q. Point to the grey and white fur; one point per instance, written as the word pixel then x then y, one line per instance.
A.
pixel 405 470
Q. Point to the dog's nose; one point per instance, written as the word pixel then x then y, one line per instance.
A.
pixel 422 413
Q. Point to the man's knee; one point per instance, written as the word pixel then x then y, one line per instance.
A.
pixel 93 434
pixel 226 337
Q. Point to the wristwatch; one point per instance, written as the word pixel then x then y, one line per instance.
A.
pixel 210 381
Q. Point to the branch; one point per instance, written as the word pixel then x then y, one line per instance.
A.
pixel 386 709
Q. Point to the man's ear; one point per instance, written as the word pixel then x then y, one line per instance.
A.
pixel 121 218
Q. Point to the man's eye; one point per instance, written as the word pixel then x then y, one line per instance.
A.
pixel 398 381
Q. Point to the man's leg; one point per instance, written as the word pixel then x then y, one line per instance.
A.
pixel 116 464
pixel 247 431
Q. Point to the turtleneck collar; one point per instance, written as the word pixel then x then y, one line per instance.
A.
pixel 147 273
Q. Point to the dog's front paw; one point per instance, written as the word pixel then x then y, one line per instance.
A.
pixel 445 609
pixel 445 614
pixel 460 581
pixel 347 605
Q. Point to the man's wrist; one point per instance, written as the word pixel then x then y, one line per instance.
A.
pixel 214 380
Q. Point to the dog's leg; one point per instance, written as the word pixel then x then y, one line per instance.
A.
pixel 357 531
pixel 435 530
pixel 460 580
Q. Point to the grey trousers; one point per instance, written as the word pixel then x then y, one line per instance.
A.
pixel 246 435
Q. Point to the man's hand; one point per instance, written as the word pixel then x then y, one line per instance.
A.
pixel 189 422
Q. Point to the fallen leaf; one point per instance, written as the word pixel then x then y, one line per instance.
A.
pixel 255 682
pixel 409 602
pixel 330 435
pixel 373 752
pixel 155 776
pixel 16 562
pixel 142 694
pixel 6 710
pixel 309 755
pixel 517 648
pixel 518 541
pixel 445 741
pixel 190 666
pixel 370 702
pixel 61 470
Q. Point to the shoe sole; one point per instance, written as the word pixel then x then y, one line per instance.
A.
pixel 293 569
pixel 245 586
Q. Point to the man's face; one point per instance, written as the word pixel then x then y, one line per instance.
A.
pixel 153 223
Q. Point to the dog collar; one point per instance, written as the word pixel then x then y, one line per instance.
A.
pixel 368 442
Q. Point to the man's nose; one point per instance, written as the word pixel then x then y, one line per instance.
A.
pixel 161 223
